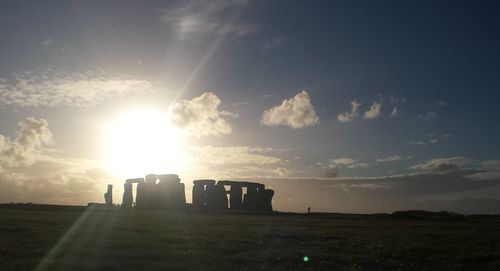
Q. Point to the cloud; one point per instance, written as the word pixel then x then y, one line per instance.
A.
pixel 235 162
pixel 205 18
pixel 51 88
pixel 426 191
pixel 428 116
pixel 374 111
pixel 432 139
pixel 282 172
pixel 342 161
pixel 488 170
pixel 234 155
pixel 391 158
pixel 48 42
pixel 296 112
pixel 396 102
pixel 201 116
pixel 347 117
pixel 443 164
pixel 441 103
pixel 240 103
pixel 359 165
pixel 30 171
pixel 33 134
pixel 394 112
pixel 272 44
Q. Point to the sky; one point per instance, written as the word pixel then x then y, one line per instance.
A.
pixel 341 106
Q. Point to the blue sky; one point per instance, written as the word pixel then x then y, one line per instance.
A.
pixel 355 99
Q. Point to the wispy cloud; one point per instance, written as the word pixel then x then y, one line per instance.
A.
pixel 432 139
pixel 391 158
pixel 204 18
pixel 234 155
pixel 488 170
pixel 342 161
pixel 443 164
pixel 428 116
pixel 441 103
pixel 48 42
pixel 272 44
pixel 396 102
pixel 52 88
pixel 296 112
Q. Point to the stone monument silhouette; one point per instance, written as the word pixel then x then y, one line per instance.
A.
pixel 167 192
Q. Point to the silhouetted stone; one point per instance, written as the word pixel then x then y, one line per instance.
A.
pixel 108 196
pixel 267 200
pixel 220 197
pixel 250 200
pixel 171 192
pixel 235 194
pixel 141 194
pixel 200 193
pixel 150 198
pixel 128 197
pixel 210 197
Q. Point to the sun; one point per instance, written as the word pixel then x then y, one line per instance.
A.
pixel 140 142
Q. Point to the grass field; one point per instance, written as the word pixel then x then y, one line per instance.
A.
pixel 115 239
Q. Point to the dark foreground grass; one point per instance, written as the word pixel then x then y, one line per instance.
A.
pixel 114 239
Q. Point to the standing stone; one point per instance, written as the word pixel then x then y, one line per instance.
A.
pixel 171 192
pixel 251 198
pixel 128 197
pixel 268 200
pixel 220 197
pixel 235 197
pixel 108 196
pixel 210 197
pixel 200 193
pixel 140 194
pixel 151 198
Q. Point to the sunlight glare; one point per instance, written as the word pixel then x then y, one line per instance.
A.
pixel 142 142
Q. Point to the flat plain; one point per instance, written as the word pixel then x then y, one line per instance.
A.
pixel 78 238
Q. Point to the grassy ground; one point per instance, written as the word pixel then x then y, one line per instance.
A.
pixel 114 239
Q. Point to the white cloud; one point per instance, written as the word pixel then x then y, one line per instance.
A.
pixel 240 104
pixel 488 170
pixel 51 88
pixel 443 164
pixel 235 162
pixel 296 112
pixel 359 165
pixel 391 158
pixel 432 139
pixel 29 171
pixel 48 42
pixel 394 112
pixel 342 161
pixel 272 44
pixel 347 117
pixel 282 172
pixel 205 18
pixel 234 155
pixel 441 103
pixel 201 116
pixel 428 116
pixel 374 111
pixel 396 102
